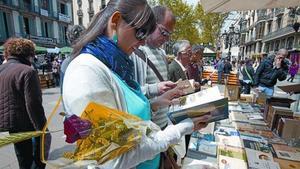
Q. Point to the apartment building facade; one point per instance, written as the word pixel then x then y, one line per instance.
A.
pixel 43 21
pixel 267 30
pixel 84 10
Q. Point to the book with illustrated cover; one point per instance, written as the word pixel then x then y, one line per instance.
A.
pixel 207 102
pixel 287 164
pixel 203 146
pixel 260 160
pixel 259 146
pixel 230 157
pixel 225 131
pixel 233 141
pixel 287 152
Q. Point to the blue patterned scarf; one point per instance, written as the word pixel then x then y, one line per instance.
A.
pixel 113 57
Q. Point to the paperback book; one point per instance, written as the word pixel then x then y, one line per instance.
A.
pixel 199 145
pixel 260 160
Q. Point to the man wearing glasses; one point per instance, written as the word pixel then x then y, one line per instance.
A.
pixel 273 68
pixel 146 76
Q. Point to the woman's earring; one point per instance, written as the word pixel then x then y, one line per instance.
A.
pixel 115 38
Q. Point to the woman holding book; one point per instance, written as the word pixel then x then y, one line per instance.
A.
pixel 102 72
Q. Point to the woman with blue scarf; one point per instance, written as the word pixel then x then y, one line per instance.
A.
pixel 101 72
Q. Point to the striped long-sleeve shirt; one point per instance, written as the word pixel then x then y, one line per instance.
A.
pixel 146 77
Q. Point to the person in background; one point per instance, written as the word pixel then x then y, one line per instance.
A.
pixel 241 66
pixel 56 70
pixel 178 67
pixel 271 69
pixel 248 76
pixel 227 69
pixel 195 67
pixel 21 107
pixel 220 68
pixel 101 67
pixel 293 70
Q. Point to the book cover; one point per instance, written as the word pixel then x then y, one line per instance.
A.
pixel 259 146
pixel 206 102
pixel 287 152
pixel 287 164
pixel 233 141
pixel 202 146
pixel 225 131
pixel 260 160
pixel 231 158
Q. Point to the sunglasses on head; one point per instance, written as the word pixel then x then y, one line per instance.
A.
pixel 163 31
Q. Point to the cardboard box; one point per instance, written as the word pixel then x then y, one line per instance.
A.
pixel 275 113
pixel 232 92
pixel 288 128
pixel 249 98
pixel 276 101
pixel 291 88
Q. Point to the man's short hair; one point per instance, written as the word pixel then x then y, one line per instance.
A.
pixel 160 13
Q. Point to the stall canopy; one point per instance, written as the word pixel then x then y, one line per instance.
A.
pixel 242 5
pixel 66 50
pixel 208 52
pixel 40 49
pixel 53 50
pixel 1 48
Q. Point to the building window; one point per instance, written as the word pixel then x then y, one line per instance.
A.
pixel 26 25
pixel 282 43
pixel 27 4
pixel 103 4
pixel 269 26
pixel 6 22
pixel 63 9
pixel 290 42
pixel 277 45
pixel 267 47
pixel 279 21
pixel 46 29
pixel 45 4
pixel 80 20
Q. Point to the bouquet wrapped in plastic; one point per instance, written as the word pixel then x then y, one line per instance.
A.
pixel 111 134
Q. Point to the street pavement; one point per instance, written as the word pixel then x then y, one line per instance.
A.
pixel 50 96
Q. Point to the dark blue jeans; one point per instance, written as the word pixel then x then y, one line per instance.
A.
pixel 28 154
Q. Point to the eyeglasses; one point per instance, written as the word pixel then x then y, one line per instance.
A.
pixel 141 34
pixel 163 31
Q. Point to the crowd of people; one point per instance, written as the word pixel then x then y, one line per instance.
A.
pixel 119 62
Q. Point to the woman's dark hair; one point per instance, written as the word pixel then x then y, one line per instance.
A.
pixel 19 47
pixel 197 48
pixel 137 13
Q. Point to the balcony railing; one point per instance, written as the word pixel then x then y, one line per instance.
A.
pixel 279 11
pixel 42 40
pixel 270 16
pixel 44 12
pixel 278 33
pixel 261 17
pixel 64 18
pixel 5 2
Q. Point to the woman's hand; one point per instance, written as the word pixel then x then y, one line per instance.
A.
pixel 200 122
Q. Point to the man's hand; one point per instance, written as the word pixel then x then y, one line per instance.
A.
pixel 167 98
pixel 278 61
pixel 165 86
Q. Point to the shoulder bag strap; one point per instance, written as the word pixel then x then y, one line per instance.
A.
pixel 149 63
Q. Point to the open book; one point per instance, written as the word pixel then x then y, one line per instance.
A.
pixel 206 102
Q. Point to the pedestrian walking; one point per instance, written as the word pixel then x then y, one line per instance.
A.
pixel 293 70
pixel 21 107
